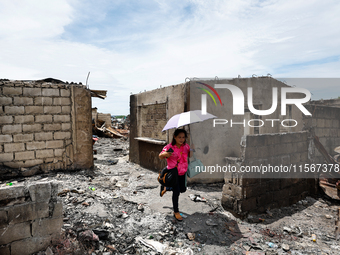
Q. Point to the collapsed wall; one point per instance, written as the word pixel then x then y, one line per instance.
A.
pixel 44 126
pixel 255 192
pixel 324 123
pixel 31 217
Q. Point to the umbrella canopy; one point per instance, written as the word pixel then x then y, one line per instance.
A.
pixel 186 118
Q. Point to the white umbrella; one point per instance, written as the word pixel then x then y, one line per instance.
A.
pixel 186 118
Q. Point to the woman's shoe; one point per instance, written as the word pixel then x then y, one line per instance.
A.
pixel 178 216
pixel 163 190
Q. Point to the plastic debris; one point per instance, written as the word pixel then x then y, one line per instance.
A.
pixel 272 245
pixel 92 188
pixel 197 198
pixel 191 236
pixel 183 215
pixel 314 237
pixel 9 184
pixel 140 207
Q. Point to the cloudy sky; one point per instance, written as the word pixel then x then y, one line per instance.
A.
pixel 131 46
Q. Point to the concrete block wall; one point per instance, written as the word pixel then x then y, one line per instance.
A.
pixel 244 193
pixel 324 123
pixel 36 126
pixel 31 217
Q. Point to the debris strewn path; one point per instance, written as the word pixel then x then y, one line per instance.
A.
pixel 116 209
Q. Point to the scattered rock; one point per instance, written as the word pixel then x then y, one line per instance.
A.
pixel 285 247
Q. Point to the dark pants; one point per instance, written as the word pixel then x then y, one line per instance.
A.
pixel 176 190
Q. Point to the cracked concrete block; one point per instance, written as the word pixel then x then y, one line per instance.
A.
pixel 43 227
pixel 15 232
pixel 30 245
pixel 40 192
pixel 20 213
pixel 12 192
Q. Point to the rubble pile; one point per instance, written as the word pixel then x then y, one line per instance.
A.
pixel 116 209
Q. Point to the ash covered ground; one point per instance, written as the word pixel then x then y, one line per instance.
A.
pixel 116 209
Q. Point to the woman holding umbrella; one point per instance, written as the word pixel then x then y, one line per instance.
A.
pixel 176 154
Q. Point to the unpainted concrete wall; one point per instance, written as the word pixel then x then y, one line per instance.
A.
pixel 44 126
pixel 213 144
pixel 31 217
pixel 149 112
pixel 105 117
pixel 243 194
pixel 324 123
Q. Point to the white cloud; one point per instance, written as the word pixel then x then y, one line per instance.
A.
pixel 132 47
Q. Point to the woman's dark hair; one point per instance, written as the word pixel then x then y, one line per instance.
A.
pixel 176 133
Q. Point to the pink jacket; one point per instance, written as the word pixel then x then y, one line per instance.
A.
pixel 179 153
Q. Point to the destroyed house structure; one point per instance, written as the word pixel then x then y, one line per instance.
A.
pixel 44 125
pixel 235 143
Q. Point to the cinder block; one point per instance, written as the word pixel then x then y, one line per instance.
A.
pixel 43 136
pixel 43 101
pixel 33 162
pixel 12 91
pixel 44 153
pixel 247 205
pixel 10 192
pixel 15 232
pixel 65 92
pixel 61 118
pixel 46 226
pixel 5 250
pixel 30 245
pixel 34 109
pixel 50 92
pixel 54 144
pixel 3 218
pixel 66 109
pixel 6 157
pixel 24 119
pixel 36 145
pixel 32 92
pixel 6 119
pixel 5 100
pixel 23 138
pixel 41 210
pixel 62 101
pixel 5 138
pixel 10 147
pixel 21 213
pixel 232 190
pixel 1 110
pixel 15 164
pixel 62 135
pixel 52 127
pixel 14 110
pixel 66 126
pixel 52 109
pixel 43 118
pixel 32 128
pixel 23 101
pixel 0 148
pixel 59 152
pixel 57 210
pixel 11 129
pixel 24 155
pixel 40 192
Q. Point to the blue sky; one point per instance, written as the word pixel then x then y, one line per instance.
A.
pixel 132 46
